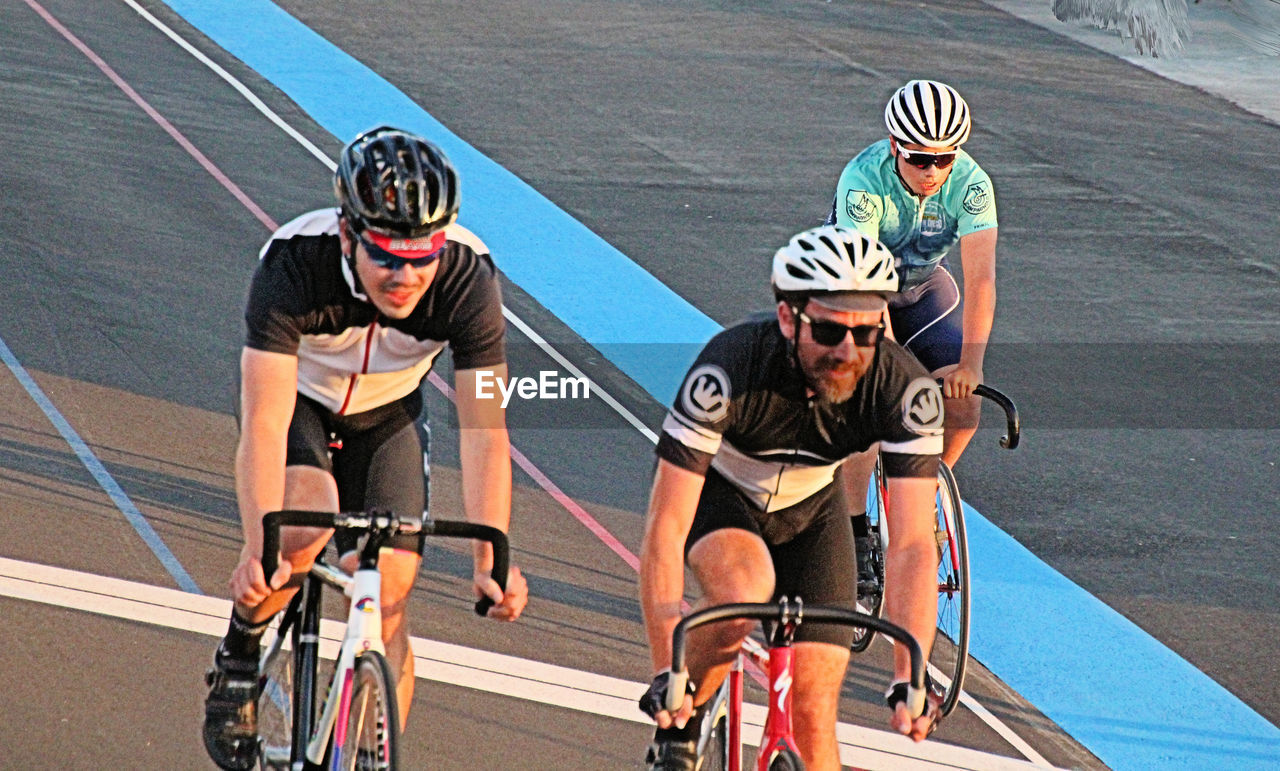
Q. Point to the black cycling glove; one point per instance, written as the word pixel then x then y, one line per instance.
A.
pixel 897 694
pixel 654 700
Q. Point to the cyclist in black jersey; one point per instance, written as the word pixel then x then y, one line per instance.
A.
pixel 745 491
pixel 347 311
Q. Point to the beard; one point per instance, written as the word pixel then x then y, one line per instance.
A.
pixel 833 381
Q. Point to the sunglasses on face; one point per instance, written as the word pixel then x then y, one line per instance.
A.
pixel 389 261
pixel 830 333
pixel 923 160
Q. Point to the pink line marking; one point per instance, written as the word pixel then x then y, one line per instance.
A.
pixel 579 513
pixel 178 137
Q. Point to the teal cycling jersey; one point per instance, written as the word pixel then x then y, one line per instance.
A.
pixel 871 198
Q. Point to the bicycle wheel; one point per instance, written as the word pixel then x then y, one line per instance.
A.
pixel 872 602
pixel 786 760
pixel 367 734
pixel 950 652
pixel 275 699
pixel 713 741
pixel 714 755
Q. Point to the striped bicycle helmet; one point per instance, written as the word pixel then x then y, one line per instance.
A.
pixel 928 113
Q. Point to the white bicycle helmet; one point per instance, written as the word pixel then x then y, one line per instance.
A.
pixel 836 261
pixel 928 113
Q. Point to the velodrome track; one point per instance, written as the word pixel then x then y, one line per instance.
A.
pixel 1137 330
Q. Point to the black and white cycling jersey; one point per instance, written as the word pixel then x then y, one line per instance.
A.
pixel 304 301
pixel 743 409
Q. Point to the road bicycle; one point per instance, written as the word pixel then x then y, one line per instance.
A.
pixel 720 741
pixel 949 656
pixel 358 722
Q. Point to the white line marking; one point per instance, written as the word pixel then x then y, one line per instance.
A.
pixel 241 88
pixel 985 715
pixel 497 673
pixel 595 389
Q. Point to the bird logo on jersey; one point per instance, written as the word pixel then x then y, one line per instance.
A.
pixel 976 198
pixel 860 206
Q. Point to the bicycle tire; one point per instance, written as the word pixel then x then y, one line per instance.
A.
pixel 715 754
pixel 786 760
pixel 275 699
pixel 873 605
pixel 950 653
pixel 713 739
pixel 369 738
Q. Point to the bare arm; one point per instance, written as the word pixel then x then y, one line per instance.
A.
pixel 485 454
pixel 672 504
pixel 268 392
pixel 911 570
pixel 978 258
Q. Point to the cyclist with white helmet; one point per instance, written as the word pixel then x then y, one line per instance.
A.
pixel 920 194
pixel 347 311
pixel 745 491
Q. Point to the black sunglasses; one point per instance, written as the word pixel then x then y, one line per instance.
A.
pixel 923 160
pixel 830 333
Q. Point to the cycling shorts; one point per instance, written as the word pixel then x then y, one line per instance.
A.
pixel 811 544
pixel 927 319
pixel 377 458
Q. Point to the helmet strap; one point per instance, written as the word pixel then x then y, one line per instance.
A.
pixel 794 343
pixel 350 256
pixel 898 172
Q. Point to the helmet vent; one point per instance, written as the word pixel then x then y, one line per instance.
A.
pixel 833 258
pixel 396 182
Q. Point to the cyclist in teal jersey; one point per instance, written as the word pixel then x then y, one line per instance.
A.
pixel 919 194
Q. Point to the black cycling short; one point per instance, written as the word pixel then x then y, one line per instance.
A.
pixel 811 544
pixel 377 458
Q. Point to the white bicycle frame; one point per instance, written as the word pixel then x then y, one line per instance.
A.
pixel 363 633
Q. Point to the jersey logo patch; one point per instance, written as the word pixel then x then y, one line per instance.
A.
pixel 705 396
pixel 860 206
pixel 977 199
pixel 922 407
pixel 933 220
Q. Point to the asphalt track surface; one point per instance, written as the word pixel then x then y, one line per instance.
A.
pixel 1137 328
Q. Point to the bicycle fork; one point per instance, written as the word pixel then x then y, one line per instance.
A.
pixel 364 633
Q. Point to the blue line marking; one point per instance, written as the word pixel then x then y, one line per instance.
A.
pixel 1130 700
pixel 1119 691
pixel 99 472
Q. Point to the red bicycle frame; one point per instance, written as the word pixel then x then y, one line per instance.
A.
pixel 778 661
pixel 777 727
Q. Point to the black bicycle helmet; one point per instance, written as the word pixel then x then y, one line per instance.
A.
pixel 396 183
